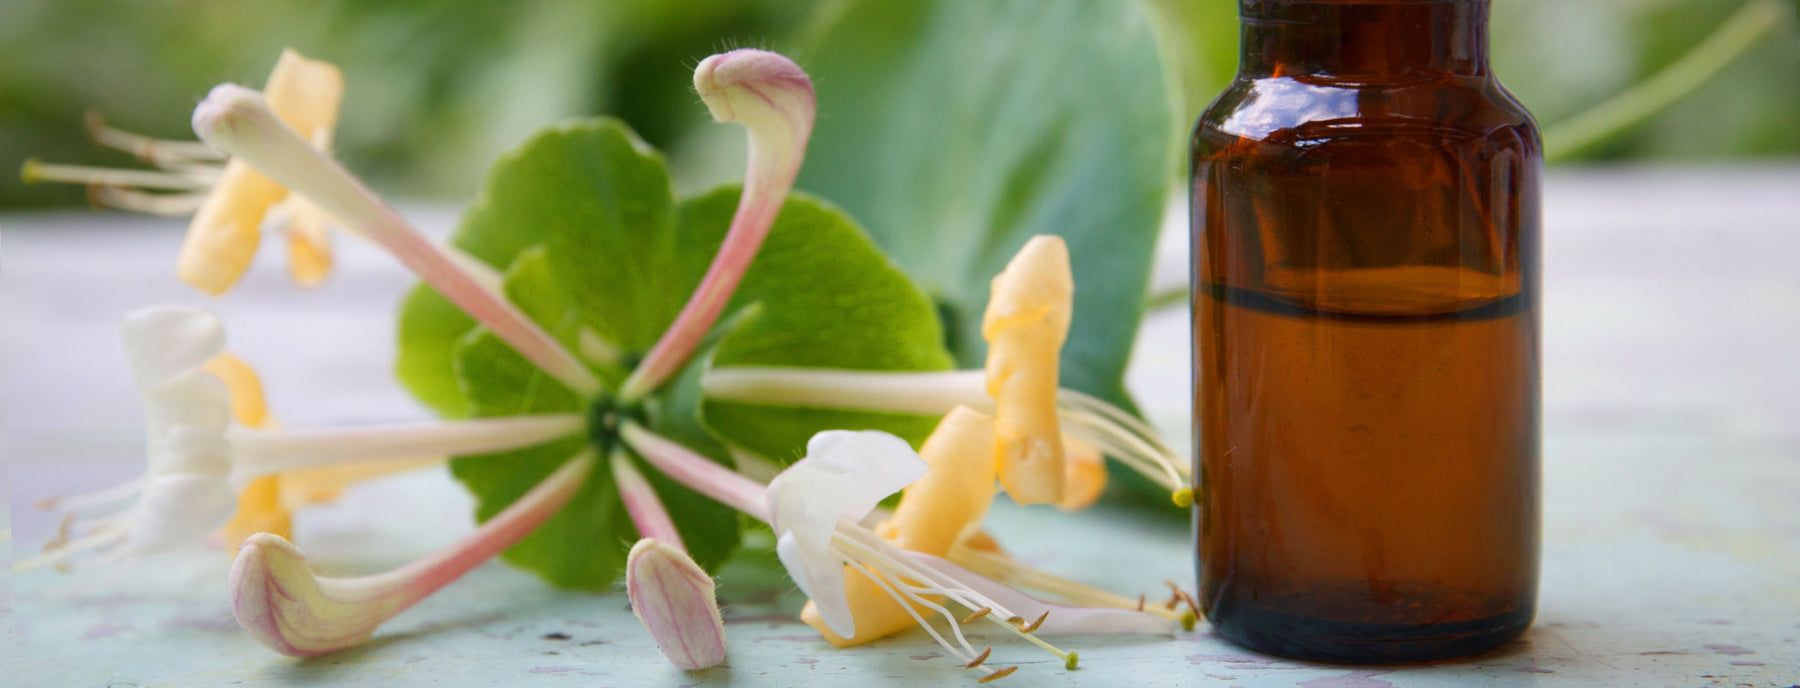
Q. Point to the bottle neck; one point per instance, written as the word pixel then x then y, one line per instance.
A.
pixel 1363 40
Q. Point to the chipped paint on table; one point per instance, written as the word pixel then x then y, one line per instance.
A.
pixel 1672 484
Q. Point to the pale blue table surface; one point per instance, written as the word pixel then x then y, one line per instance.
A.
pixel 1672 469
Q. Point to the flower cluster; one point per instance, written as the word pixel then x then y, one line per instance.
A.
pixel 217 460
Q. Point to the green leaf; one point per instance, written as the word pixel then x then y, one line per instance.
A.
pixel 584 216
pixel 956 130
pixel 584 545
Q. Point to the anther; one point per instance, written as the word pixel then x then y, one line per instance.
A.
pixel 985 651
pixel 1015 620
pixel 984 611
pixel 1003 673
pixel 1140 602
pixel 1035 624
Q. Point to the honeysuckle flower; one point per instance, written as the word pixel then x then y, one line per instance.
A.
pixel 773 98
pixel 1026 322
pixel 287 608
pixel 675 600
pixel 843 477
pixel 239 122
pixel 228 199
pixel 1051 437
pixel 201 470
pixel 670 594
pixel 815 507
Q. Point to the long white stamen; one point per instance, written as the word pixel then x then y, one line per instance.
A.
pixel 163 204
pixel 965 653
pixel 96 499
pixel 152 150
pixel 1123 437
pixel 263 452
pixel 34 172
pixel 109 533
pixel 1008 571
pixel 237 121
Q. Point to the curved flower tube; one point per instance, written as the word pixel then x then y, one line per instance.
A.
pixel 773 98
pixel 238 121
pixel 201 471
pixel 227 199
pixel 287 608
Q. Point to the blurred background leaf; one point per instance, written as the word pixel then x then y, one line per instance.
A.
pixel 954 131
pixel 437 89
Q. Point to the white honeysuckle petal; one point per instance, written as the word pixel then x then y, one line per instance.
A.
pixel 820 576
pixel 165 341
pixel 878 464
pixel 189 451
pixel 1062 619
pixel 177 510
pixel 843 477
pixel 193 399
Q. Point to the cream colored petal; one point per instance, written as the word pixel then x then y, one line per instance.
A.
pixel 224 234
pixel 1084 474
pixel 309 244
pixel 1025 325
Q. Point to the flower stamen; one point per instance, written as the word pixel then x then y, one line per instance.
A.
pixel 985 651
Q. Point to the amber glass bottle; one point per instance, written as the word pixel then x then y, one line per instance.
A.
pixel 1365 233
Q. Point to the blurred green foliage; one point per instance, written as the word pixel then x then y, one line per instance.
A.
pixel 437 89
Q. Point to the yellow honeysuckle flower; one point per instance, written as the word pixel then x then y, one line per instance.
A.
pixel 1027 319
pixel 266 504
pixel 228 199
pixel 259 507
pixel 224 234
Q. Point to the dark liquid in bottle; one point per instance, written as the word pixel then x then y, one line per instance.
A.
pixel 1365 329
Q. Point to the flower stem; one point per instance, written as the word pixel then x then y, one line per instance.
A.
pixel 697 472
pixel 646 509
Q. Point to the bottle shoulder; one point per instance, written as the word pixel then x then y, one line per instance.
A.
pixel 1303 112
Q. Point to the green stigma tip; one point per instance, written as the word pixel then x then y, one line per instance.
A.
pixel 1187 621
pixel 1183 497
pixel 28 172
pixel 1074 657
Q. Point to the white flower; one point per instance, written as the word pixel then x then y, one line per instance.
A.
pixel 187 493
pixel 843 477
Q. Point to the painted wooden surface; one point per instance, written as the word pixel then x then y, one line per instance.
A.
pixel 1672 465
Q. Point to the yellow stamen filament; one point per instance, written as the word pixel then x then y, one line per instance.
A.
pixel 1026 322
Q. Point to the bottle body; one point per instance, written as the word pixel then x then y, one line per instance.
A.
pixel 1365 202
